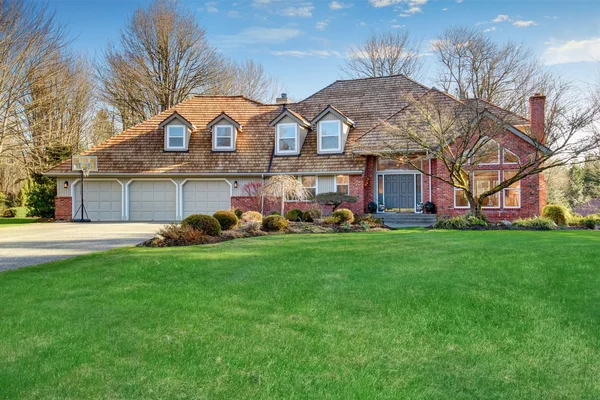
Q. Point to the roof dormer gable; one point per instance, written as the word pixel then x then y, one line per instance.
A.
pixel 290 132
pixel 177 132
pixel 224 131
pixel 286 112
pixel 332 128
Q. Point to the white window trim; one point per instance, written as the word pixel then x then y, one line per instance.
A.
pixel 499 153
pixel 232 135
pixel 184 137
pixel 508 188
pixel 336 184
pixel 496 194
pixel 339 136
pixel 278 151
pixel 316 190
pixel 459 207
pixel 510 163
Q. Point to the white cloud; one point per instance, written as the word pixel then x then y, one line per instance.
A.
pixel 500 18
pixel 362 23
pixel 587 50
pixel 445 9
pixel 263 3
pixel 211 7
pixel 338 5
pixel 413 10
pixel 385 3
pixel 258 35
pixel 459 1
pixel 302 11
pixel 523 24
pixel 492 29
pixel 321 25
pixel 307 53
pixel 398 26
pixel 234 14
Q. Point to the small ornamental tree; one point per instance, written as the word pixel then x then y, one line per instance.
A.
pixel 334 199
pixel 253 190
pixel 284 187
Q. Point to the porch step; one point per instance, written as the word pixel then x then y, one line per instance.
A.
pixel 396 220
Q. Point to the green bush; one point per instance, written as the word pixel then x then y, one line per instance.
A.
pixel 203 223
pixel 238 213
pixel 460 222
pixel 536 223
pixel 369 220
pixel 178 235
pixel 557 213
pixel 252 216
pixel 331 220
pixel 294 215
pixel 40 197
pixel 227 219
pixel 590 222
pixel 274 213
pixel 274 223
pixel 311 215
pixel 364 225
pixel 9 213
pixel 343 215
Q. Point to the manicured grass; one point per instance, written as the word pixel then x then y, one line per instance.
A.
pixel 16 221
pixel 399 315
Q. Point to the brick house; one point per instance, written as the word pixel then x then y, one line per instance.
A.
pixel 200 155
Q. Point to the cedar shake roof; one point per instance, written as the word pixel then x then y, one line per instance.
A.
pixel 366 102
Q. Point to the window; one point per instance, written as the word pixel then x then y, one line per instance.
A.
pixel 512 194
pixel 489 153
pixel 330 136
pixel 509 157
pixel 175 137
pixel 223 139
pixel 460 198
pixel 310 184
pixel 484 181
pixel 287 138
pixel 342 184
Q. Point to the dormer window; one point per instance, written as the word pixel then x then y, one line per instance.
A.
pixel 175 137
pixel 330 136
pixel 287 139
pixel 223 138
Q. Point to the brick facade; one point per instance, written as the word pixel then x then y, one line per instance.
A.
pixel 369 181
pixel 63 208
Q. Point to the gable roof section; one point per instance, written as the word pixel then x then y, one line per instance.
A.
pixel 177 116
pixel 331 109
pixel 286 112
pixel 505 115
pixel 225 117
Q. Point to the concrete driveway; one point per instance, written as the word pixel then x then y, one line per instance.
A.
pixel 42 242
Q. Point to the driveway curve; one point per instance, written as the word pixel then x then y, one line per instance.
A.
pixel 42 242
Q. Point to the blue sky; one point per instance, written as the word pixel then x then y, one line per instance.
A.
pixel 303 43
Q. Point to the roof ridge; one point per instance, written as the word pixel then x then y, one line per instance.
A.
pixel 497 106
pixel 228 97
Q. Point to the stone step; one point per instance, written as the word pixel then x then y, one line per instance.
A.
pixel 407 220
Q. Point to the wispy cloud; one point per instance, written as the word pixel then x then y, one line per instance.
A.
pixel 234 14
pixel 258 35
pixel 307 53
pixel 523 24
pixel 398 26
pixel 303 11
pixel 263 3
pixel 321 25
pixel 563 52
pixel 500 18
pixel 492 29
pixel 338 5
pixel 445 9
pixel 409 3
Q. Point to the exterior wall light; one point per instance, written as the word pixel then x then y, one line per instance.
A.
pixel 66 184
pixel 235 184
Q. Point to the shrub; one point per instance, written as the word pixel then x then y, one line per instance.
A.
pixel 343 215
pixel 334 199
pixel 251 226
pixel 274 223
pixel 311 215
pixel 179 235
pixel 346 225
pixel 590 222
pixel 536 223
pixel 9 213
pixel 203 223
pixel 40 197
pixel 331 220
pixel 557 213
pixel 238 213
pixel 364 225
pixel 274 213
pixel 369 220
pixel 227 219
pixel 252 216
pixel 294 215
pixel 460 222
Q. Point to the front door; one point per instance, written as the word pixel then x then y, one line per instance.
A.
pixel 399 191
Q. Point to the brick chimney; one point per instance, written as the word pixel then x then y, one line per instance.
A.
pixel 283 99
pixel 537 103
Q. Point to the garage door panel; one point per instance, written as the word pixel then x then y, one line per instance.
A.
pixel 102 200
pixel 205 197
pixel 152 201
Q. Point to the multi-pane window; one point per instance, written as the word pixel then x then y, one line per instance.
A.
pixel 175 137
pixel 310 184
pixel 460 198
pixel 484 181
pixel 512 194
pixel 330 136
pixel 342 184
pixel 509 157
pixel 488 153
pixel 223 137
pixel 287 138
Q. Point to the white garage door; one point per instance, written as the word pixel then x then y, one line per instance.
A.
pixel 205 197
pixel 152 201
pixel 102 200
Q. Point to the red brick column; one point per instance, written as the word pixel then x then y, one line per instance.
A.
pixel 63 208
pixel 369 182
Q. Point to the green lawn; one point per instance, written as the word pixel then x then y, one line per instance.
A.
pixel 408 314
pixel 16 221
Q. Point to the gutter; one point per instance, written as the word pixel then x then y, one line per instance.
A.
pixel 200 174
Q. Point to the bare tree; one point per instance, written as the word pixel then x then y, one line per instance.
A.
pixel 163 58
pixel 458 136
pixel 284 187
pixel 384 54
pixel 102 128
pixel 474 66
pixel 247 78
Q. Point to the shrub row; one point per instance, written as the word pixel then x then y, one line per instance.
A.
pixel 310 215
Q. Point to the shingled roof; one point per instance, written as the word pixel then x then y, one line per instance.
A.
pixel 365 102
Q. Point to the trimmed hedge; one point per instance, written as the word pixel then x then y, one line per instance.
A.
pixel 343 215
pixel 294 215
pixel 252 216
pixel 311 215
pixel 227 219
pixel 204 223
pixel 274 223
pixel 238 213
pixel 557 213
pixel 537 224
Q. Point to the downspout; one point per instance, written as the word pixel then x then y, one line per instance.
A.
pixel 429 158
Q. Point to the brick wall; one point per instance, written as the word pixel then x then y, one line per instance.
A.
pixel 63 208
pixel 356 189
pixel 369 182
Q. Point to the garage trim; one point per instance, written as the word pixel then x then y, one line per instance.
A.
pixel 180 195
pixel 126 217
pixel 73 194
